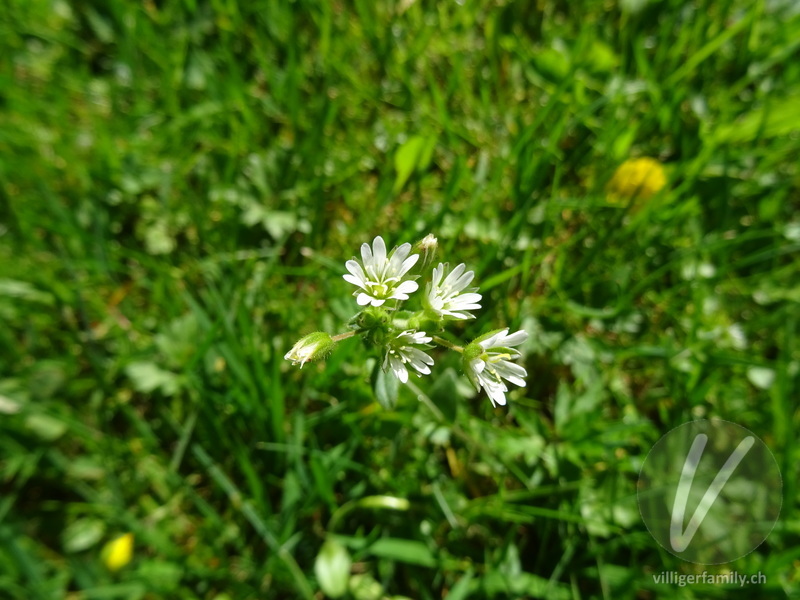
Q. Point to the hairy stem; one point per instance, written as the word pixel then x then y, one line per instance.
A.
pixel 343 336
pixel 446 344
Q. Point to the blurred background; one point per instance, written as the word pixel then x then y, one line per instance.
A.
pixel 181 182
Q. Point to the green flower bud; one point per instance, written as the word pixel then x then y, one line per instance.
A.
pixel 426 248
pixel 311 347
pixel 471 352
pixel 374 322
pixel 369 318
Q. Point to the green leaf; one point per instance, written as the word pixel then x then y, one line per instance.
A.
pixel 85 467
pixel 777 118
pixel 633 6
pixel 332 568
pixel 45 427
pixel 164 577
pixel 47 378
pixel 386 387
pixel 148 377
pixel 525 585
pixel 124 591
pixel 406 551
pixel 564 398
pixel 178 340
pixel 601 57
pixel 460 591
pixel 414 155
pixel 100 26
pixel 426 155
pixel 621 146
pixel 552 63
pixel 82 535
pixel 22 290
pixel 278 223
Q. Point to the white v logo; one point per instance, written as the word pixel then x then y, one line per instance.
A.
pixel 678 538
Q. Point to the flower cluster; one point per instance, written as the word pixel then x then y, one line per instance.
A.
pixel 384 281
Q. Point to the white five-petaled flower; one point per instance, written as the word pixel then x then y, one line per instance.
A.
pixel 445 297
pixel 379 276
pixel 401 351
pixel 489 364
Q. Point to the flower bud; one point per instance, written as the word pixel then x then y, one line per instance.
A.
pixel 471 352
pixel 374 323
pixel 426 248
pixel 311 347
pixel 369 318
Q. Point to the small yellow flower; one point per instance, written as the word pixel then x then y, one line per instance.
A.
pixel 637 178
pixel 118 552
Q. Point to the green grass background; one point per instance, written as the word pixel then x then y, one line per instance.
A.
pixel 181 182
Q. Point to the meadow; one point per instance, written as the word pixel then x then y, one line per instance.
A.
pixel 181 183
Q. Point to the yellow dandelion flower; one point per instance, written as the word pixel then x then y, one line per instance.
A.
pixel 118 552
pixel 637 178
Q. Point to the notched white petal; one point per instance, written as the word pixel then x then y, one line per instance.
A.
pixel 355 268
pixel 398 256
pixel 354 280
pixel 436 278
pixel 491 342
pixel 407 287
pixel 399 369
pixel 515 339
pixel 496 395
pixel 366 254
pixel 407 264
pixel 379 250
pixel 454 275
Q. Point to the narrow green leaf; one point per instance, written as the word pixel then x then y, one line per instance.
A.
pixel 777 118
pixel 460 591
pixel 406 551
pixel 415 152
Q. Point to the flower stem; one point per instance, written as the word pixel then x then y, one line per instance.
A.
pixel 343 336
pixel 446 344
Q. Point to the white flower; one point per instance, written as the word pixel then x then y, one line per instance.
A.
pixel 445 297
pixel 487 365
pixel 379 276
pixel 401 351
